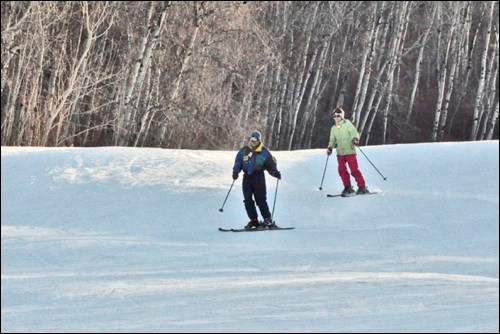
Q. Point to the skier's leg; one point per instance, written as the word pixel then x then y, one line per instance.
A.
pixel 344 174
pixel 261 195
pixel 248 200
pixel 352 161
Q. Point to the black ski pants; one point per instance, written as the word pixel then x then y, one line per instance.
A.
pixel 254 186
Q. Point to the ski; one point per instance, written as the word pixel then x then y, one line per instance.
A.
pixel 340 195
pixel 255 229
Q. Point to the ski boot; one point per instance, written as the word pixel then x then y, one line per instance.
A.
pixel 268 223
pixel 254 223
pixel 362 191
pixel 347 192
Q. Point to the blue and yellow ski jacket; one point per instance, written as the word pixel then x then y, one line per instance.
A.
pixel 253 161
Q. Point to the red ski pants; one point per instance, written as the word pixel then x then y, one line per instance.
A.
pixel 352 161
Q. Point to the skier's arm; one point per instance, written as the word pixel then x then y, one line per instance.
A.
pixel 238 163
pixel 272 167
pixel 333 140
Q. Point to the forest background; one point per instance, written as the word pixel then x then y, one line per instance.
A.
pixel 202 74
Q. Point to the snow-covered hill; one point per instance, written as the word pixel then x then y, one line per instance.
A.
pixel 125 240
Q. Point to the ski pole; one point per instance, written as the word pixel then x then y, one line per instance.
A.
pixel 326 164
pixel 275 195
pixel 221 209
pixel 385 179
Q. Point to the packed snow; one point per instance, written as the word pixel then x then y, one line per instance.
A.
pixel 115 239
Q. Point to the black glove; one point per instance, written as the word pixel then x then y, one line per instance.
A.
pixel 329 151
pixel 355 141
pixel 235 176
pixel 277 175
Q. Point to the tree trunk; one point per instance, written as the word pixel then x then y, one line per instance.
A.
pixel 423 43
pixel 366 67
pixel 478 108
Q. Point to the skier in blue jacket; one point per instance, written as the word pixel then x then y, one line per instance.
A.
pixel 254 159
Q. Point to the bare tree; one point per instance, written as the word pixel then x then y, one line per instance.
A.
pixel 418 64
pixel 203 74
pixel 156 16
pixel 478 108
pixel 445 56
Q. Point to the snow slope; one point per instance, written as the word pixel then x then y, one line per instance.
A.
pixel 125 240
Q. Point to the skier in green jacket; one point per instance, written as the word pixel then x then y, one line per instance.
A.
pixel 344 138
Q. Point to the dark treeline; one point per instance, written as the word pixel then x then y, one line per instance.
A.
pixel 201 75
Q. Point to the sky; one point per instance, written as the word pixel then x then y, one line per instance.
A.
pixel 114 239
